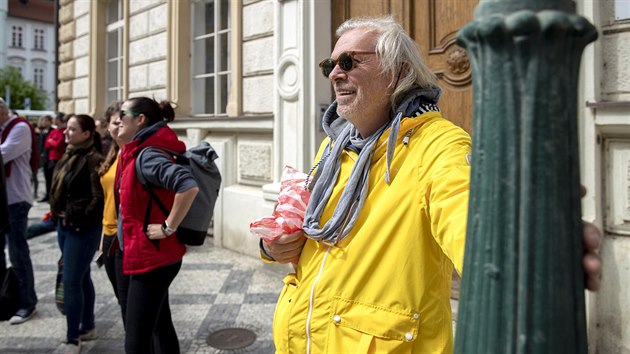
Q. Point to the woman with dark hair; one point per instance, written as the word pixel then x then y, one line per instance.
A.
pixel 76 203
pixel 152 255
pixel 111 253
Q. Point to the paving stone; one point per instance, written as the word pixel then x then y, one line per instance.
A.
pixel 215 289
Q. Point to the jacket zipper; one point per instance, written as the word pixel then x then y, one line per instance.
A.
pixel 310 302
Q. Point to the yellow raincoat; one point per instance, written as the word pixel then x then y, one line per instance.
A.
pixel 385 288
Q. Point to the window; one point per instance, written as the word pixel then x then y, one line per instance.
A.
pixel 622 9
pixel 38 78
pixel 210 56
pixel 16 39
pixel 114 41
pixel 38 39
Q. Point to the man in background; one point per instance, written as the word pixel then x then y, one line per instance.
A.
pixel 16 154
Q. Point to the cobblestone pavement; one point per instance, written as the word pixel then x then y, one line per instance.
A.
pixel 215 289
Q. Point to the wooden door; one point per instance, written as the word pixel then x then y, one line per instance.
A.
pixel 433 24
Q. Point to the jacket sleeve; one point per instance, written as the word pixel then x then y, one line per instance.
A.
pixel 161 171
pixel 18 142
pixel 446 192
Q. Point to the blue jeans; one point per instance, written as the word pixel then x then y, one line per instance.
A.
pixel 78 248
pixel 19 254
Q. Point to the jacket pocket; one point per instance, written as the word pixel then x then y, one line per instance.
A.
pixel 357 327
pixel 282 314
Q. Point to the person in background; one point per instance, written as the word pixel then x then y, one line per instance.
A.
pixel 103 129
pixel 152 256
pixel 4 207
pixel 42 130
pixel 112 256
pixel 386 219
pixel 76 202
pixel 55 145
pixel 16 154
pixel 44 226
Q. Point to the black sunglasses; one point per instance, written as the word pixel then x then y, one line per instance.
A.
pixel 345 60
pixel 123 113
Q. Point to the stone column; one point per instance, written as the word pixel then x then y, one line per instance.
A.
pixel 523 285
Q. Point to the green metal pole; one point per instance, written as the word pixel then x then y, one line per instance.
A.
pixel 523 286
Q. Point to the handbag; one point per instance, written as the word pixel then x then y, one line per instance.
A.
pixel 59 287
pixel 9 295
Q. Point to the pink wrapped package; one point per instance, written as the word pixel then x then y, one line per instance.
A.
pixel 289 213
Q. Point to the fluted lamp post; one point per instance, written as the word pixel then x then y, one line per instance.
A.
pixel 523 283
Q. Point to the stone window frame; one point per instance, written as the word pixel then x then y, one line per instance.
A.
pixel 39 76
pixel 179 60
pixel 38 39
pixel 98 52
pixel 17 33
pixel 114 88
pixel 178 57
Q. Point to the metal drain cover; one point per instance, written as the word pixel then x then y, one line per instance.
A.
pixel 231 338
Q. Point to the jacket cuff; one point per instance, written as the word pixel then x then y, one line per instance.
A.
pixel 263 254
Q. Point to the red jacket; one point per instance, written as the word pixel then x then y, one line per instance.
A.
pixel 55 144
pixel 140 254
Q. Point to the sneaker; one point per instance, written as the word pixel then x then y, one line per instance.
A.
pixel 72 348
pixel 88 335
pixel 22 315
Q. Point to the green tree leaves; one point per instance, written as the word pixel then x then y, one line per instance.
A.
pixel 20 89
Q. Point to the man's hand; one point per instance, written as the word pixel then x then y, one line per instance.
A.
pixel 286 248
pixel 592 264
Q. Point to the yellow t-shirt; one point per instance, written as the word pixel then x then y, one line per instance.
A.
pixel 110 219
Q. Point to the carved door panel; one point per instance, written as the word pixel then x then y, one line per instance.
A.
pixel 433 25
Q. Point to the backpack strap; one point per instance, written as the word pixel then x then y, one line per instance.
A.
pixel 153 197
pixel 5 135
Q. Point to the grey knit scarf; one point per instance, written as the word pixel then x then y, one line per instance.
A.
pixel 355 192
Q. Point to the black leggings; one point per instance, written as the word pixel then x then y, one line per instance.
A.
pixel 113 266
pixel 148 311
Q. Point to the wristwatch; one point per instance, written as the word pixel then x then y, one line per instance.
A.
pixel 167 230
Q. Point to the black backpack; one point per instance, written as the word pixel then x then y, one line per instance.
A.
pixel 199 160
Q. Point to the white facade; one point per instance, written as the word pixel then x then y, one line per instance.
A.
pixel 605 150
pixel 3 39
pixel 33 54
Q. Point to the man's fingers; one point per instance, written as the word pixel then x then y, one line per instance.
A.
pixel 592 268
pixel 592 237
pixel 289 238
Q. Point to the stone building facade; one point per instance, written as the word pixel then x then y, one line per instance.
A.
pixel 243 74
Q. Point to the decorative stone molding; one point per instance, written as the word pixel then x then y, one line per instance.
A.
pixel 254 163
pixel 66 32
pixel 66 71
pixel 457 61
pixel 66 13
pixel 66 51
pixel 288 78
pixel 64 90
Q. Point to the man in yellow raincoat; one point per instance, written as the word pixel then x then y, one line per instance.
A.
pixel 386 220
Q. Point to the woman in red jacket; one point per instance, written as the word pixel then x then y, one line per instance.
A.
pixel 55 146
pixel 152 255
